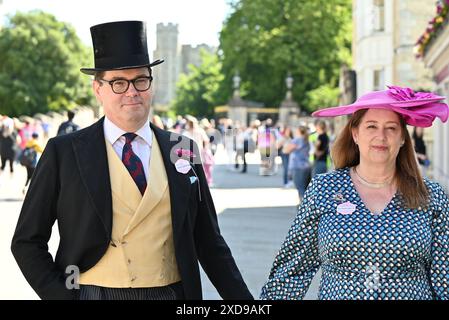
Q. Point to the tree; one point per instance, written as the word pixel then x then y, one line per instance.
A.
pixel 40 61
pixel 323 96
pixel 264 40
pixel 197 93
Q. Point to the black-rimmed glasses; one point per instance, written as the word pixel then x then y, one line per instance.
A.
pixel 120 86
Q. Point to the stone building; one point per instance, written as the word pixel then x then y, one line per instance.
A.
pixel 384 35
pixel 177 59
pixel 166 75
pixel 434 51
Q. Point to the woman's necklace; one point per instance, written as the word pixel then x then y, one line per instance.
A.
pixel 372 185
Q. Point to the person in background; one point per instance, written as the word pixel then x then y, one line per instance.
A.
pixel 68 126
pixel 25 131
pixel 267 147
pixel 299 164
pixel 8 142
pixel 208 162
pixel 249 143
pixel 32 151
pixel 213 134
pixel 321 150
pixel 240 148
pixel 193 131
pixel 284 152
pixel 420 149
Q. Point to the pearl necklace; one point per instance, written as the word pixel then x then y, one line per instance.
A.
pixel 372 185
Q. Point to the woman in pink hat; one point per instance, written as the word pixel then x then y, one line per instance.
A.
pixel 375 226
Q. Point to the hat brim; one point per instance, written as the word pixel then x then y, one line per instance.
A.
pixel 419 113
pixel 92 71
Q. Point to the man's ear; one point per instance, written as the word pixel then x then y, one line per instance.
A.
pixel 96 88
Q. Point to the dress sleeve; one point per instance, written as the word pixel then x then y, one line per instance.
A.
pixel 439 266
pixel 297 261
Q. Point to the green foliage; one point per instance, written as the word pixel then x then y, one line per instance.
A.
pixel 323 97
pixel 197 93
pixel 264 40
pixel 40 61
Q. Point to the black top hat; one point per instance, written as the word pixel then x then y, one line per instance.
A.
pixel 120 45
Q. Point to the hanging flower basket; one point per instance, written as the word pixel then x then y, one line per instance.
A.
pixel 434 28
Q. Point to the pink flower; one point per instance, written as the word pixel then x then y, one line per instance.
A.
pixel 185 153
pixel 406 94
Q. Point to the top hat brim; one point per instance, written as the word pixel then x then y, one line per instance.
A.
pixel 92 71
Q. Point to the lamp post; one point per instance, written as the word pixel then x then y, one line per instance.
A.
pixel 289 109
pixel 236 81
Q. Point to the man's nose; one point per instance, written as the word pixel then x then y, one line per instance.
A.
pixel 131 90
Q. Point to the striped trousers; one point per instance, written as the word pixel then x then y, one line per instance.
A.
pixel 171 292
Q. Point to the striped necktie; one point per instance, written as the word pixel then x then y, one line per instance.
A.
pixel 133 163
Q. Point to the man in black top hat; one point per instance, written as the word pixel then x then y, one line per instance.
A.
pixel 134 211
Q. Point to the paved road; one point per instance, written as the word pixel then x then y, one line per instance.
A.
pixel 254 216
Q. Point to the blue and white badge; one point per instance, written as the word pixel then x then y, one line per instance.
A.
pixel 193 179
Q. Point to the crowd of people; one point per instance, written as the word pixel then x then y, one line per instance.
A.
pixel 23 142
pixel 303 149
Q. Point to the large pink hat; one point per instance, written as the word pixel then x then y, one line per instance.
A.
pixel 418 109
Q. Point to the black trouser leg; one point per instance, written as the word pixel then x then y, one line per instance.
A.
pixel 245 151
pixel 30 171
pixel 11 164
pixel 3 162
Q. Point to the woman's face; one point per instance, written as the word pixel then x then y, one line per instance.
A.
pixel 379 137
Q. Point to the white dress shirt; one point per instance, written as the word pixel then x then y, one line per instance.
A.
pixel 141 144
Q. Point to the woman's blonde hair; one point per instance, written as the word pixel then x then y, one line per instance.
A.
pixel 345 153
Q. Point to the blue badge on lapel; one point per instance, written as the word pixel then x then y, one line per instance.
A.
pixel 193 179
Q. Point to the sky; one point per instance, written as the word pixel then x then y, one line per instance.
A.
pixel 199 21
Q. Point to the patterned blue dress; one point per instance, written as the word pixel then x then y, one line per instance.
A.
pixel 398 254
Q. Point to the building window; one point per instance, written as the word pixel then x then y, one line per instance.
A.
pixel 379 15
pixel 378 80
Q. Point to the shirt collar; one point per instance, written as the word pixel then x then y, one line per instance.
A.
pixel 113 132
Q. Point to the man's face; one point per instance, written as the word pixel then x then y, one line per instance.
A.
pixel 128 109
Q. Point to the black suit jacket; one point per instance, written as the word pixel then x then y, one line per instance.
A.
pixel 71 185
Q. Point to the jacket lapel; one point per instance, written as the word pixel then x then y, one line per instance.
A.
pixel 178 183
pixel 90 152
